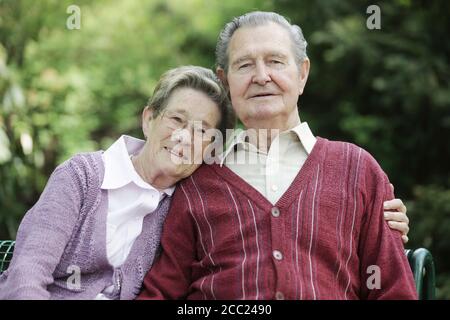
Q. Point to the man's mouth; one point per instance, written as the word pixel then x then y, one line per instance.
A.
pixel 262 95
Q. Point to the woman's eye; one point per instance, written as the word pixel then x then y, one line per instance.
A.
pixel 201 130
pixel 276 62
pixel 176 119
pixel 245 65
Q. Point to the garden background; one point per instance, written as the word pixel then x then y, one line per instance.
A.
pixel 64 91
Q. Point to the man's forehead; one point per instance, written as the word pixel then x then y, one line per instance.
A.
pixel 270 39
pixel 259 50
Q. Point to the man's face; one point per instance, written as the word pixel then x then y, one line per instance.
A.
pixel 263 77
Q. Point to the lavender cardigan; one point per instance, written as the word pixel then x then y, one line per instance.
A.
pixel 65 231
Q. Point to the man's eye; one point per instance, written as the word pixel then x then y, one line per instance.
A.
pixel 245 65
pixel 276 62
pixel 176 119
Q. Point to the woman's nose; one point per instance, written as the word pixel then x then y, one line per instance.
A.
pixel 182 136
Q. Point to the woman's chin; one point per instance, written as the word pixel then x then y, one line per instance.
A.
pixel 178 172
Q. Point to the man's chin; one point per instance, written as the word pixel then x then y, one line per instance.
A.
pixel 264 113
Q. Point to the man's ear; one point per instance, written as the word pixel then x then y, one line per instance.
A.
pixel 304 73
pixel 222 76
pixel 147 115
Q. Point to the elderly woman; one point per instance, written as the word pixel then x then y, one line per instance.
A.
pixel 95 230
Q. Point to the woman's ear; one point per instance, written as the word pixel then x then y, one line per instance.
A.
pixel 147 115
pixel 222 76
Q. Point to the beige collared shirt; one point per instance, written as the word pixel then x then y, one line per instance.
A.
pixel 272 172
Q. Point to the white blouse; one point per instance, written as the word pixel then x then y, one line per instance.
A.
pixel 130 199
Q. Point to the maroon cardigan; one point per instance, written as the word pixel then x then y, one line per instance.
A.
pixel 324 239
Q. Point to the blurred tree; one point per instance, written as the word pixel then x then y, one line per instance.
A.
pixel 20 164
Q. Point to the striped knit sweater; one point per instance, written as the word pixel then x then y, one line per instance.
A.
pixel 324 239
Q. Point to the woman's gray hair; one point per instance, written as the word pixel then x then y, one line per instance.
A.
pixel 255 19
pixel 197 78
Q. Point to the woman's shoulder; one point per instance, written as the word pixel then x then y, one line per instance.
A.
pixel 85 168
pixel 86 160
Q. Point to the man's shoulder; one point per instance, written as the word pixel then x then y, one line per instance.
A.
pixel 337 145
pixel 345 147
pixel 351 152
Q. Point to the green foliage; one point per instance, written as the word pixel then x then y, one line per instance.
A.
pixel 66 91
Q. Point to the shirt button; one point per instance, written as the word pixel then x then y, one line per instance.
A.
pixel 274 187
pixel 279 295
pixel 277 255
pixel 275 212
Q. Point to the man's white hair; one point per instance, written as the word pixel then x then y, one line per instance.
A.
pixel 255 19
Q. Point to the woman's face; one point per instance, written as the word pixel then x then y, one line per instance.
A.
pixel 175 141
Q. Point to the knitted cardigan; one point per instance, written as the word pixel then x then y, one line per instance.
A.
pixel 60 250
pixel 325 238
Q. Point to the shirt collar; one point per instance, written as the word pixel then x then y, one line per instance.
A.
pixel 305 136
pixel 119 170
pixel 237 140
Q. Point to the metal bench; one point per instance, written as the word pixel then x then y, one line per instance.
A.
pixel 422 266
pixel 420 261
pixel 6 252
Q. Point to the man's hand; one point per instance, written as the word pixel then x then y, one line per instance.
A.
pixel 397 220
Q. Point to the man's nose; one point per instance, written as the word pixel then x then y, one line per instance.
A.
pixel 262 75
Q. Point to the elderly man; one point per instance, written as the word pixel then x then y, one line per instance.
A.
pixel 305 221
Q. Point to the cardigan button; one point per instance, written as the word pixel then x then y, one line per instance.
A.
pixel 275 212
pixel 277 255
pixel 279 295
